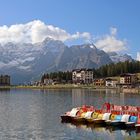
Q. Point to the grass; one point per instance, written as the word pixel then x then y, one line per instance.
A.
pixel 58 86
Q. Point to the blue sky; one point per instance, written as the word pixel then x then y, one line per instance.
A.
pixel 96 17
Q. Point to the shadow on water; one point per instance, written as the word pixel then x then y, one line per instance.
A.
pixel 99 128
pixel 4 89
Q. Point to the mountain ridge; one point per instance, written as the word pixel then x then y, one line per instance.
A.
pixel 24 62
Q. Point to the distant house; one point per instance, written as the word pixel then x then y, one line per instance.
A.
pixel 4 80
pixel 48 81
pixel 99 82
pixel 111 82
pixel 128 79
pixel 82 76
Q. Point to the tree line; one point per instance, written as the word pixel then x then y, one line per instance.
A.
pixel 104 71
pixel 117 69
pixel 58 76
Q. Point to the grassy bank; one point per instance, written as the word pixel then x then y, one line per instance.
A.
pixel 70 86
pixel 58 86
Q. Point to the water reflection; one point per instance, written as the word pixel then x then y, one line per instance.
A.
pixel 35 114
pixel 78 97
pixel 110 130
pixel 4 90
pixel 88 97
pixel 98 97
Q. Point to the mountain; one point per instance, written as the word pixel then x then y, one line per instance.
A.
pixel 119 58
pixel 26 62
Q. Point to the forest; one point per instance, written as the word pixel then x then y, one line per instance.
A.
pixel 108 70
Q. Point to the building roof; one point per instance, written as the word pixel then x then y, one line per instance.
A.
pixel 110 79
pixel 127 74
pixel 4 76
pixel 82 69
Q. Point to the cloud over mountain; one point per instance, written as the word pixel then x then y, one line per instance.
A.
pixel 110 43
pixel 36 31
pixel 26 61
pixel 22 44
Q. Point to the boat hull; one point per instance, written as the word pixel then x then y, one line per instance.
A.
pixel 66 118
pixel 78 120
pixel 117 124
pixel 95 121
pixel 130 124
pixel 137 126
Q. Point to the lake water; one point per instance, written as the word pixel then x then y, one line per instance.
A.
pixel 35 114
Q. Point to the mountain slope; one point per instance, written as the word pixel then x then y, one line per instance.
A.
pixel 25 61
pixel 119 58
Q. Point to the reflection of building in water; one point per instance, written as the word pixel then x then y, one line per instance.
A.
pixel 97 97
pixel 114 96
pixel 109 95
pixel 78 97
pixel 122 99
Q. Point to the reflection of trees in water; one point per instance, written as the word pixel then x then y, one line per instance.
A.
pixel 4 90
pixel 78 97
pixel 113 96
pixel 99 96
pixel 110 132
pixel 116 97
pixel 88 97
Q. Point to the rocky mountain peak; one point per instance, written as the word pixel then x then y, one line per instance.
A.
pixel 27 61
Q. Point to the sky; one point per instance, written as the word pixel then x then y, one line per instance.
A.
pixel 111 25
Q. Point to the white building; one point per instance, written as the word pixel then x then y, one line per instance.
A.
pixel 111 82
pixel 82 76
pixel 48 81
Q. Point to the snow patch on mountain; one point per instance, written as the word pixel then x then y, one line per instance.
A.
pixel 25 61
pixel 115 57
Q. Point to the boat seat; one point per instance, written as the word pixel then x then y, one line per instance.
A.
pixel 115 121
pixel 137 125
pixel 130 123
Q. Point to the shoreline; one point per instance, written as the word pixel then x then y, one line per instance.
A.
pixel 58 86
pixel 72 86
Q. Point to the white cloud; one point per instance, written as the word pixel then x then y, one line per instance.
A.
pixel 18 55
pixel 138 56
pixel 110 43
pixel 36 31
pixel 84 35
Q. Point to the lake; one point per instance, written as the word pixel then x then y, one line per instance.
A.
pixel 27 114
